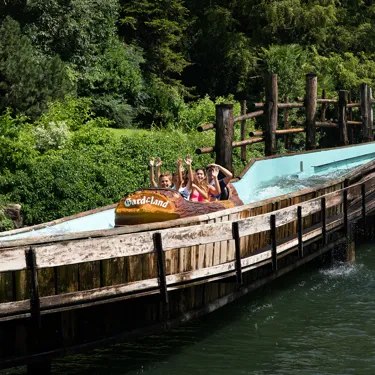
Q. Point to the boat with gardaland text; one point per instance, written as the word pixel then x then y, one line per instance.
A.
pixel 156 204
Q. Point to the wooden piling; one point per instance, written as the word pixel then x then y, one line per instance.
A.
pixel 286 124
pixel 324 107
pixel 365 113
pixel 243 130
pixel 271 115
pixel 224 135
pixel 310 106
pixel 343 103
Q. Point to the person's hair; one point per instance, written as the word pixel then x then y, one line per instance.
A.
pixel 204 182
pixel 165 174
pixel 201 169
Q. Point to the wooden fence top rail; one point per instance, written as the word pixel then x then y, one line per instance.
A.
pixel 248 116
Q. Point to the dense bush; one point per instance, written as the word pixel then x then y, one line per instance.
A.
pixel 97 168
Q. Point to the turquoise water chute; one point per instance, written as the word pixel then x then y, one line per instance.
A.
pixel 264 178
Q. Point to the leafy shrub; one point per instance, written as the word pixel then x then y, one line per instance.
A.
pixel 97 168
pixel 51 136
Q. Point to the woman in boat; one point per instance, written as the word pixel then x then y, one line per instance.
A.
pixel 185 180
pixel 223 182
pixel 201 189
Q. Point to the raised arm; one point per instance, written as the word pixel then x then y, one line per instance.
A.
pixel 215 190
pixel 189 162
pixel 180 169
pixel 158 165
pixel 152 177
pixel 228 175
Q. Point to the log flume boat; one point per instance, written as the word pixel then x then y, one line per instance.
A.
pixel 156 204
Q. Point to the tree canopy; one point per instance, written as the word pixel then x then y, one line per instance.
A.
pixel 138 60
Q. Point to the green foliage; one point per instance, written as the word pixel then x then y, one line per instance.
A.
pixel 75 112
pixel 158 27
pixel 16 142
pixel 97 169
pixel 290 63
pixel 28 80
pixel 76 30
pixel 51 136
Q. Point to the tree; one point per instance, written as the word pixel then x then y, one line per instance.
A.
pixel 158 28
pixel 28 80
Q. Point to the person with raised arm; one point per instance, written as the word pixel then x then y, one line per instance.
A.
pixel 187 179
pixel 164 179
pixel 222 182
pixel 201 188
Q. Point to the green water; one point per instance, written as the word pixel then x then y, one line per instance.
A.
pixel 317 320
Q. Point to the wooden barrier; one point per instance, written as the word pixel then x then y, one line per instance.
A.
pixel 269 110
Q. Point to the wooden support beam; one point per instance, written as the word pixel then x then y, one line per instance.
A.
pixel 271 115
pixel 206 127
pixel 286 124
pixel 310 106
pixel 162 275
pixel 243 130
pixel 346 211
pixel 204 150
pixel 237 241
pixel 279 132
pixel 247 142
pixel 224 135
pixel 363 206
pixel 343 102
pixel 323 108
pixel 273 242
pixel 365 113
pixel 248 116
pixel 324 221
pixel 350 119
pixel 300 231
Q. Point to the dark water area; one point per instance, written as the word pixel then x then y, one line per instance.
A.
pixel 320 320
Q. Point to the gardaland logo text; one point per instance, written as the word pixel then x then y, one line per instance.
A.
pixel 149 200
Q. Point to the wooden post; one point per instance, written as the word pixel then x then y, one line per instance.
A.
pixel 34 329
pixel 286 124
pixel 324 220
pixel 363 195
pixel 346 212
pixel 371 115
pixel 243 130
pixel 162 275
pixel 310 106
pixel 300 231
pixel 237 240
pixel 224 135
pixel 271 113
pixel 324 107
pixel 365 113
pixel 273 242
pixel 350 244
pixel 350 118
pixel 343 103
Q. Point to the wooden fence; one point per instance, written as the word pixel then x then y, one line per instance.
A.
pixel 344 124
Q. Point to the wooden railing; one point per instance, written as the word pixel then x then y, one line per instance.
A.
pixel 225 120
pixel 336 210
